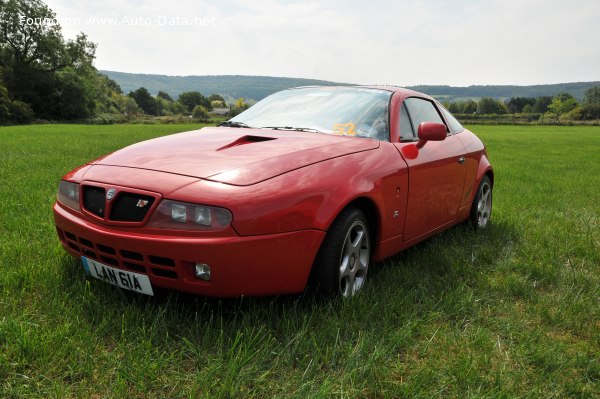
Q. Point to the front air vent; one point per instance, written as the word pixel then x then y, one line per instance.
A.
pixel 129 207
pixel 94 200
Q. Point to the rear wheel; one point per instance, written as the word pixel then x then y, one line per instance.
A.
pixel 481 210
pixel 345 255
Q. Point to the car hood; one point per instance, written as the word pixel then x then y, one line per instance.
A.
pixel 235 156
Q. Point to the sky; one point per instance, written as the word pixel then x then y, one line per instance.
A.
pixel 457 43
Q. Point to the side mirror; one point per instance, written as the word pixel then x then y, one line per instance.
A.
pixel 431 131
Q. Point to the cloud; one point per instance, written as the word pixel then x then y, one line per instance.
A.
pixel 410 42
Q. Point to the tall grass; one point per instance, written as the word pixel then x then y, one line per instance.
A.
pixel 513 311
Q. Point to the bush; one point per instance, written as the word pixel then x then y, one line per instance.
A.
pixel 107 119
pixel 200 113
pixel 20 112
pixel 172 119
pixel 590 111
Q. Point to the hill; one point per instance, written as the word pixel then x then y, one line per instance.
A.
pixel 577 90
pixel 258 87
pixel 229 86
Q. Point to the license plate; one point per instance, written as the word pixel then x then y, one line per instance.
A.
pixel 130 281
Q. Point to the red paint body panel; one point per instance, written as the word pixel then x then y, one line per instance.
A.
pixel 436 184
pixel 240 265
pixel 284 190
pixel 210 154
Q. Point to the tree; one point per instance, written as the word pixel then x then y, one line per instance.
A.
pixel 177 108
pixel 592 96
pixel 55 77
pixel 164 106
pixel 591 104
pixel 38 45
pixel 200 113
pixel 516 104
pixel 13 111
pixel 4 103
pixel 563 97
pixel 192 98
pixel 561 104
pixel 72 96
pixel 145 101
pixel 125 105
pixel 240 106
pixel 541 104
pixel 217 104
pixel 20 112
pixel 112 85
pixel 164 96
pixel 470 107
pixel 454 108
pixel 488 105
pixel 240 103
pixel 216 97
pixel 527 109
pixel 102 88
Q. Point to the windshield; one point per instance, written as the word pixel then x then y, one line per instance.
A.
pixel 346 111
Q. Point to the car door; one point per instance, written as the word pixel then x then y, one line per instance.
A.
pixel 436 171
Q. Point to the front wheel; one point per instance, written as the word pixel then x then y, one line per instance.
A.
pixel 481 210
pixel 343 260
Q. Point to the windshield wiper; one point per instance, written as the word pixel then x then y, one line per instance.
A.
pixel 296 129
pixel 234 124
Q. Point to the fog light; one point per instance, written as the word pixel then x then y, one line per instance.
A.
pixel 202 271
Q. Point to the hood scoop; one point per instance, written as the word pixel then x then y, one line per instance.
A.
pixel 246 140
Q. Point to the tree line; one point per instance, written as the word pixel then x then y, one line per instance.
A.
pixel 191 103
pixel 560 107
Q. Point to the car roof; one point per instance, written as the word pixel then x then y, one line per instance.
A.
pixel 391 88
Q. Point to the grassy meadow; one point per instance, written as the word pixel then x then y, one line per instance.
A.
pixel 509 312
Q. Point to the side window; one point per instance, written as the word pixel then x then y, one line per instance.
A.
pixel 421 110
pixel 455 126
pixel 406 130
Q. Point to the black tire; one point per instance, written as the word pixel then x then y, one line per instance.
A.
pixel 341 267
pixel 481 209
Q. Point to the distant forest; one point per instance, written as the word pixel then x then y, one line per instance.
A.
pixel 229 86
pixel 258 87
pixel 449 93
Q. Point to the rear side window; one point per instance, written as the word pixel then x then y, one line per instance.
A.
pixel 455 126
pixel 421 110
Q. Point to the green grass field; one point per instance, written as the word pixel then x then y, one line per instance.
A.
pixel 511 312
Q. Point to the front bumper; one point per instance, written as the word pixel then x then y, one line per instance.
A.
pixel 253 266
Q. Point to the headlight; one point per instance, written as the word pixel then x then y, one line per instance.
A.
pixel 68 194
pixel 185 216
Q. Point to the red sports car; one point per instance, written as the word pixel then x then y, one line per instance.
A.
pixel 305 189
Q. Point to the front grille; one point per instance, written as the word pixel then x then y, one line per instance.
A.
pixel 94 200
pixel 129 207
pixel 129 260
pixel 125 207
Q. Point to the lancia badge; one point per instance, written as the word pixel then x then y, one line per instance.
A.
pixel 110 194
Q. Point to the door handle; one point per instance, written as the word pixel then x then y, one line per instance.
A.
pixel 461 160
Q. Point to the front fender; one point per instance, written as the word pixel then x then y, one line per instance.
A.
pixel 313 196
